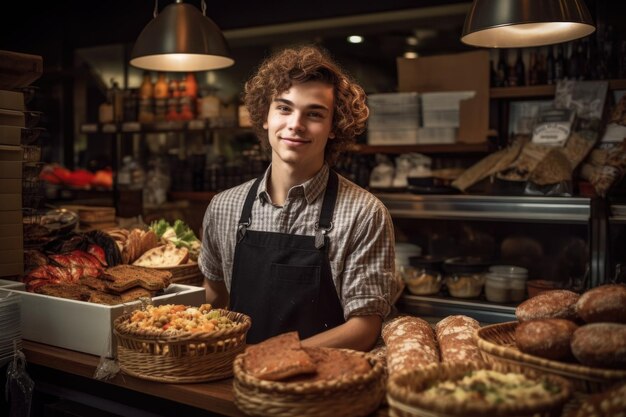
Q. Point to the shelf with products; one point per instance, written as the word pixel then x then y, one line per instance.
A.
pixel 453 148
pixel 165 126
pixel 541 90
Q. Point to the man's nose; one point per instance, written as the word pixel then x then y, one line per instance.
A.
pixel 295 122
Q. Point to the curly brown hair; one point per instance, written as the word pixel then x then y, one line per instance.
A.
pixel 297 65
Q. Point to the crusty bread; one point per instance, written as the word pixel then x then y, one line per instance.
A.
pixel 609 403
pixel 331 364
pixel 547 338
pixel 554 304
pixel 94 283
pixel 124 277
pixel 606 303
pixel 410 343
pixel 71 291
pixel 455 336
pixel 600 344
pixel 163 256
pixel 278 358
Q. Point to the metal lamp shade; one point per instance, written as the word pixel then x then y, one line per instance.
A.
pixel 525 23
pixel 182 39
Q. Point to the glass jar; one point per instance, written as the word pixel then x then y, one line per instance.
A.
pixel 423 275
pixel 506 284
pixel 464 277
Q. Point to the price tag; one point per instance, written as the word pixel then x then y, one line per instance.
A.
pixel 131 127
pixel 89 128
pixel 109 128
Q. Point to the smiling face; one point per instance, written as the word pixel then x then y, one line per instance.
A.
pixel 299 124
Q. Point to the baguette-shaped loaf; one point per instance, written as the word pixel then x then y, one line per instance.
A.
pixel 455 336
pixel 410 344
pixel 554 304
pixel 606 303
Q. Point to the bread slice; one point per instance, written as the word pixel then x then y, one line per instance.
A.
pixel 124 277
pixel 277 358
pixel 331 364
pixel 70 291
pixel 163 256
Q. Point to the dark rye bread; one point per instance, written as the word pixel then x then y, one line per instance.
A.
pixel 600 344
pixel 547 338
pixel 125 277
pixel 606 303
pixel 554 304
pixel 94 283
pixel 332 364
pixel 69 291
pixel 278 358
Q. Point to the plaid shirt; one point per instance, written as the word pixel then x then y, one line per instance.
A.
pixel 361 249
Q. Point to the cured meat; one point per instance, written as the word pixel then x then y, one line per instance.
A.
pixel 97 252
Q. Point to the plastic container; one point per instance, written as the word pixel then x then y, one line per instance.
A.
pixel 465 277
pixel 423 276
pixel 506 284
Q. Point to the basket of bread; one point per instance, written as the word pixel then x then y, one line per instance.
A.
pixel 280 377
pixel 180 344
pixel 471 389
pixel 173 248
pixel 580 337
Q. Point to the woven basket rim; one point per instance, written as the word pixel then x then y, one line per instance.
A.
pixel 401 396
pixel 298 388
pixel 508 328
pixel 121 330
pixel 189 264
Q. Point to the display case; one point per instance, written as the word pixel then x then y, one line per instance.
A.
pixel 556 239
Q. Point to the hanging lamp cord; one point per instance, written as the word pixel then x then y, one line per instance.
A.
pixel 155 12
pixel 203 7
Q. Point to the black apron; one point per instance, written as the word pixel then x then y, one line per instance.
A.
pixel 284 281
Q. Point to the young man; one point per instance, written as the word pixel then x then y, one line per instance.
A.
pixel 302 248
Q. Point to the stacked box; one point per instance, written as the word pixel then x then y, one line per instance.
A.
pixel 441 109
pixel 11 233
pixel 394 119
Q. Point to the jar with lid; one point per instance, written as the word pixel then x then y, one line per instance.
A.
pixel 465 277
pixel 506 284
pixel 423 275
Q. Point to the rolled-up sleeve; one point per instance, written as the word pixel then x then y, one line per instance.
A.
pixel 209 260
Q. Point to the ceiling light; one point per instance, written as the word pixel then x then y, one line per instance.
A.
pixel 181 38
pixel 410 54
pixel 412 40
pixel 525 23
pixel 355 39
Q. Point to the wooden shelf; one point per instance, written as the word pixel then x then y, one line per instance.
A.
pixel 541 90
pixel 173 126
pixel 426 149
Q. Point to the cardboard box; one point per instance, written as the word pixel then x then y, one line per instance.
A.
pixel 393 137
pixel 11 100
pixel 10 135
pixel 467 71
pixel 12 118
pixel 10 244
pixel 11 217
pixel 10 202
pixel 87 327
pixel 14 269
pixel 10 185
pixel 11 169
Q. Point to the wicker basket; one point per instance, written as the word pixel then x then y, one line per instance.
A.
pixel 404 399
pixel 355 396
pixel 497 345
pixel 182 358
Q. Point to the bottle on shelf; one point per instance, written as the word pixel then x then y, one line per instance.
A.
pixel 550 66
pixel 146 90
pixel 191 86
pixel 559 64
pixel 574 65
pixel 118 101
pixel 105 111
pixel 492 74
pixel 209 106
pixel 502 70
pixel 160 88
pixel 520 69
pixel 533 73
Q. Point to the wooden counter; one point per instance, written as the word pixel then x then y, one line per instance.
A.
pixel 216 397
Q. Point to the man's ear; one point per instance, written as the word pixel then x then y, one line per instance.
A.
pixel 265 125
pixel 331 135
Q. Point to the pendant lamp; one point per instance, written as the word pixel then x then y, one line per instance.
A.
pixel 525 23
pixel 181 38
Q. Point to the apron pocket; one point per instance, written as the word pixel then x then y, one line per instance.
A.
pixel 294 295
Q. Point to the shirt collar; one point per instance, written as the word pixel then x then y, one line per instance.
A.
pixel 312 188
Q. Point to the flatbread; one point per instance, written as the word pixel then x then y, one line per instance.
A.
pixel 331 364
pixel 163 256
pixel 278 358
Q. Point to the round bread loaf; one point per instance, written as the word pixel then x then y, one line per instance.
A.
pixel 555 304
pixel 600 344
pixel 606 303
pixel 547 338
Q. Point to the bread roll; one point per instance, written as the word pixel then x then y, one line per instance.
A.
pixel 547 338
pixel 455 335
pixel 554 304
pixel 606 303
pixel 609 403
pixel 600 344
pixel 410 344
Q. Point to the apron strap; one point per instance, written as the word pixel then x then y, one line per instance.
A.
pixel 246 213
pixel 325 222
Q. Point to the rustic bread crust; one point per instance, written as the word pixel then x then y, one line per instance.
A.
pixel 547 338
pixel 163 256
pixel 124 277
pixel 410 344
pixel 606 303
pixel 554 304
pixel 455 336
pixel 331 364
pixel 278 358
pixel 600 344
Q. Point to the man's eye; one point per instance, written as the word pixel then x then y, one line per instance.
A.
pixel 316 115
pixel 283 109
